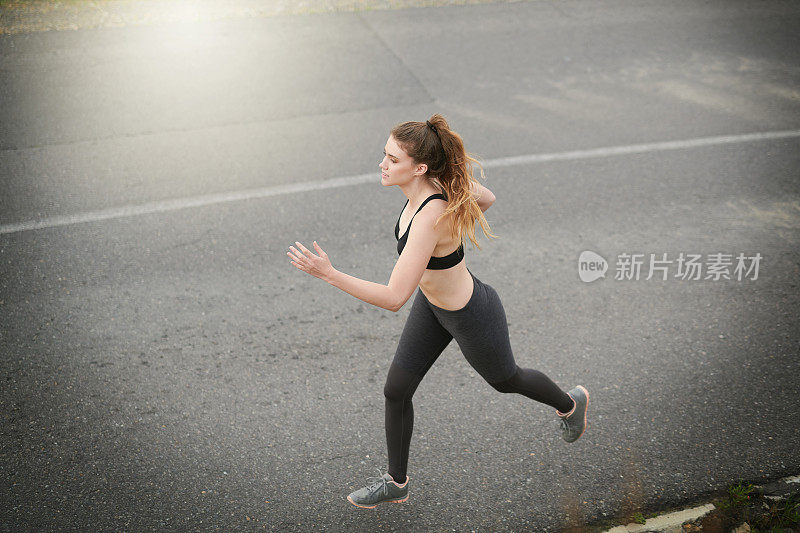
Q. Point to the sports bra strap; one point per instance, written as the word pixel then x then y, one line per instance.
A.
pixel 428 199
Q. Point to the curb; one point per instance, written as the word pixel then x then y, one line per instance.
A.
pixel 667 523
pixel 672 522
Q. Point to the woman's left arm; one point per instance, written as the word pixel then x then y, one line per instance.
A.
pixel 407 272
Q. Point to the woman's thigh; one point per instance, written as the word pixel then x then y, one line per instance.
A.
pixel 423 338
pixel 481 331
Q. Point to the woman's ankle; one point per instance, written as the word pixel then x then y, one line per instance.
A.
pixel 395 478
pixel 574 405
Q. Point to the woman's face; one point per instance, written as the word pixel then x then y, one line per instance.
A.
pixel 397 167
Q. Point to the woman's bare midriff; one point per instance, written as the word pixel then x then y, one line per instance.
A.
pixel 449 289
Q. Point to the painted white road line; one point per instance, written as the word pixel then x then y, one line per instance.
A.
pixel 183 203
pixel 374 177
pixel 640 148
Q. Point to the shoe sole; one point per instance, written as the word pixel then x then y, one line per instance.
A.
pixel 585 412
pixel 373 506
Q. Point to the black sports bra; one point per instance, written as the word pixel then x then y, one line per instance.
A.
pixel 435 263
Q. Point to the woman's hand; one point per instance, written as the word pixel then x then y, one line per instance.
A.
pixel 318 266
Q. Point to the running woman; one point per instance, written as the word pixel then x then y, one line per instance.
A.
pixel 428 162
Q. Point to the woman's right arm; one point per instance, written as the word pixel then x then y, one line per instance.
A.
pixel 483 196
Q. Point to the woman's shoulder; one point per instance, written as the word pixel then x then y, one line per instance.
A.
pixel 434 209
pixel 436 202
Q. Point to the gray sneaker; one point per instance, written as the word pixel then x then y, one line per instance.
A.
pixel 573 424
pixel 378 490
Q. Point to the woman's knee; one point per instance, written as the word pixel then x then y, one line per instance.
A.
pixel 400 384
pixel 508 385
pixel 393 391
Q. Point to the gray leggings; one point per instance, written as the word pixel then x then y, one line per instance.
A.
pixel 481 331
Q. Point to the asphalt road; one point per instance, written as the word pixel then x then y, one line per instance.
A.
pixel 171 370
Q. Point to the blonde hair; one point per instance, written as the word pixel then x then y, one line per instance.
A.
pixel 450 168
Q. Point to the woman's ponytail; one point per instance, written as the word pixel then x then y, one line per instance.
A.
pixel 450 168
